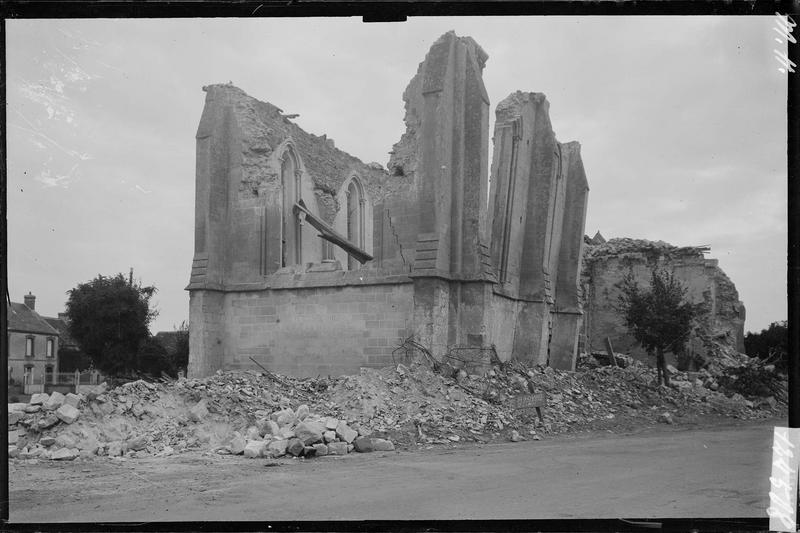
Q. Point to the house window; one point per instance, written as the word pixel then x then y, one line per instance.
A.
pixel 355 219
pixel 29 346
pixel 49 374
pixel 50 347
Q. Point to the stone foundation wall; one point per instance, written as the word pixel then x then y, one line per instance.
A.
pixel 317 331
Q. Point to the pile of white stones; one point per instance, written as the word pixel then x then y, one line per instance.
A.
pixel 43 411
pixel 301 434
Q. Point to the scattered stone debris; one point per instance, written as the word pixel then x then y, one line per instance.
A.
pixel 256 414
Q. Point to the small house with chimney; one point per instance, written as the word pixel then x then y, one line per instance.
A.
pixel 32 345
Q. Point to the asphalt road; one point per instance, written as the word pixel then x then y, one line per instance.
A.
pixel 667 472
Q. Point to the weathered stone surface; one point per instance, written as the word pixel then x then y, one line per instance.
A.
pixel 66 454
pixel 320 449
pixel 63 441
pixel 255 448
pixel 115 449
pixel 337 448
pixel 48 421
pixel 302 412
pixel 277 414
pixel 295 447
pixel 39 398
pixel 199 411
pixel 137 443
pixel 237 445
pixel 308 432
pixel 55 401
pixel 331 423
pixel 344 432
pixel 89 444
pixel 14 417
pixel 329 436
pixel 138 410
pixel 382 445
pixel 268 427
pixel 277 448
pixel 309 451
pixel 46 441
pixel 286 418
pixel 67 414
pixel 253 433
pixel 33 408
pixel 30 453
pixel 97 391
pixel 17 407
pixel 363 444
pixel 13 452
pixel 73 399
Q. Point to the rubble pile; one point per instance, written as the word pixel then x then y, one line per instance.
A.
pixel 415 405
pixel 259 414
pixel 228 413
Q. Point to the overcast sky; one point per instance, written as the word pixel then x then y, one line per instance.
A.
pixel 682 123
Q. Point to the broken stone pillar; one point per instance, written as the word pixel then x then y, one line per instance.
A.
pixel 211 208
pixel 525 192
pixel 450 107
pixel 534 218
pixel 568 310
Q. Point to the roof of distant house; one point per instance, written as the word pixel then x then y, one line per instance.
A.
pixel 22 318
pixel 65 338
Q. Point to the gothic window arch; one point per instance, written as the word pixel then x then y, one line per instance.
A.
pixel 356 230
pixel 291 229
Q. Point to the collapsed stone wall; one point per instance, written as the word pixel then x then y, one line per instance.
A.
pixel 262 127
pixel 720 328
pixel 422 229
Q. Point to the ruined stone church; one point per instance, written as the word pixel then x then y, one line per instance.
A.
pixel 311 262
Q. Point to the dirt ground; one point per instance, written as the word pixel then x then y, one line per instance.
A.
pixel 684 470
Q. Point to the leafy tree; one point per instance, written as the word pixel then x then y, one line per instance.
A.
pixel 153 358
pixel 109 318
pixel 771 344
pixel 657 317
pixel 180 355
pixel 70 360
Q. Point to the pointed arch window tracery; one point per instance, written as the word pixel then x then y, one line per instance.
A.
pixel 291 227
pixel 355 218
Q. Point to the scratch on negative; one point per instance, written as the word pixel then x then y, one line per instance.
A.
pixel 32 129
